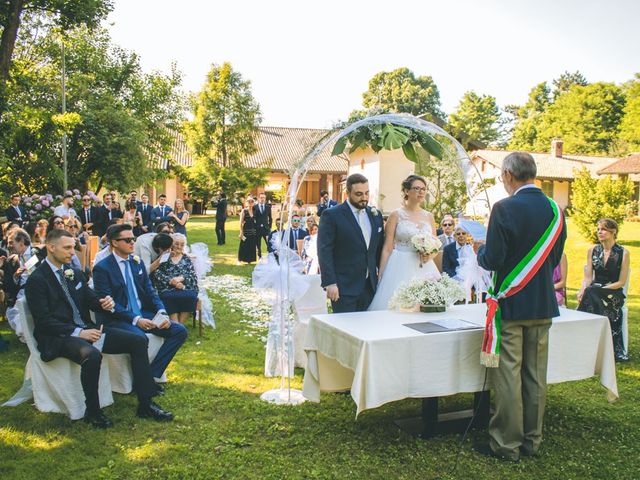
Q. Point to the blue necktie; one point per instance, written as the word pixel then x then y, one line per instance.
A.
pixel 131 294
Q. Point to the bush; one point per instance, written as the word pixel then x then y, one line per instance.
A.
pixel 593 199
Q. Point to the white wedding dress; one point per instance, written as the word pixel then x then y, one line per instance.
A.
pixel 404 262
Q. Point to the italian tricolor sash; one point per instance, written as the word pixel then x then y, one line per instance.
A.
pixel 515 281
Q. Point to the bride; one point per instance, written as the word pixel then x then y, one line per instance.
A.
pixel 399 261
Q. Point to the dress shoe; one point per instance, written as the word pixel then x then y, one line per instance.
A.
pixel 98 420
pixel 487 451
pixel 155 412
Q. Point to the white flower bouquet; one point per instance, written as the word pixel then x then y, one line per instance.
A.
pixel 425 244
pixel 432 290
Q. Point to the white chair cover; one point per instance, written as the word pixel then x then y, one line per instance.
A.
pixel 314 302
pixel 56 384
pixel 120 373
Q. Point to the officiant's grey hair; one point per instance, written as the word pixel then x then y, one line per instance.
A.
pixel 521 165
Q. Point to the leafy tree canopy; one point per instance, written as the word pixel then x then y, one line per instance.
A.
pixel 478 116
pixel 630 125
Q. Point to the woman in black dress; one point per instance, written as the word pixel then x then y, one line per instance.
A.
pixel 605 276
pixel 248 234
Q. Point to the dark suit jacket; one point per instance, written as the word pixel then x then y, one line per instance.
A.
pixel 515 225
pixel 157 217
pixel 145 213
pixel 9 285
pixel 270 239
pixel 322 206
pixel 342 251
pixel 302 234
pixel 221 210
pixel 263 220
pixel 107 280
pixel 450 259
pixel 100 226
pixel 51 310
pixel 12 214
pixel 94 213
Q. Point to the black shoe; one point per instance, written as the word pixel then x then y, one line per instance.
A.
pixel 528 453
pixel 486 450
pixel 98 420
pixel 155 412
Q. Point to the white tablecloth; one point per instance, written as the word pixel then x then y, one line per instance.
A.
pixel 381 360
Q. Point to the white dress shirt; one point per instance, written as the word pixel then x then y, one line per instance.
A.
pixel 362 218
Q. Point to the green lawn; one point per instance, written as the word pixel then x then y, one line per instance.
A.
pixel 223 430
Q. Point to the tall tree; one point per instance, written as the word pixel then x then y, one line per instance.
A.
pixel 400 91
pixel 477 115
pixel 587 118
pixel 223 132
pixel 630 125
pixel 64 13
pixel 119 119
pixel 564 82
pixel 527 117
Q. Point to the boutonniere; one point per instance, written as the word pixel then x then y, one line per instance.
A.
pixel 68 274
pixel 136 258
pixel 374 211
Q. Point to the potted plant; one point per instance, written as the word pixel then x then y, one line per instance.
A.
pixel 427 294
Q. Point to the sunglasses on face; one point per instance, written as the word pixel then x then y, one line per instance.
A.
pixel 447 224
pixel 58 222
pixel 86 199
pixel 128 240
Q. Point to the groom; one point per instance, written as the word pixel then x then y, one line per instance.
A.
pixel 349 246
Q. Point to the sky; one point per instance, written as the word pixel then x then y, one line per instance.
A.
pixel 309 62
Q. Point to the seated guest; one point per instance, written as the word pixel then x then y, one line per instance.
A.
pixel 7 227
pixel 40 232
pixel 271 244
pixel 16 270
pixel 16 212
pixel 144 248
pixel 605 276
pixel 161 245
pixel 73 226
pixel 124 277
pixel 55 222
pixel 59 300
pixel 560 280
pixel 296 232
pixel 451 252
pixel 310 251
pixel 176 282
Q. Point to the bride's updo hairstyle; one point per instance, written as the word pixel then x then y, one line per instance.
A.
pixel 407 183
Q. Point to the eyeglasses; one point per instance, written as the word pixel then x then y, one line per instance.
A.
pixel 72 226
pixel 419 189
pixel 447 224
pixel 58 222
pixel 128 240
pixel 86 199
pixel 460 233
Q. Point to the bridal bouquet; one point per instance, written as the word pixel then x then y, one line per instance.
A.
pixel 425 244
pixel 430 290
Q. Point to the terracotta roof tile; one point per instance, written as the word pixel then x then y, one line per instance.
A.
pixel 625 166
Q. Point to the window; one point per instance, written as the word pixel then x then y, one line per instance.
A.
pixel 547 188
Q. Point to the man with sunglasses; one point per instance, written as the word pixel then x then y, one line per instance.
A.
pixel 89 214
pixel 448 224
pixel 123 277
pixel 451 252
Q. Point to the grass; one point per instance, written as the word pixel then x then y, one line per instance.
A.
pixel 223 431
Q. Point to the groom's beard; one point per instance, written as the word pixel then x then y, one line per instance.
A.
pixel 359 205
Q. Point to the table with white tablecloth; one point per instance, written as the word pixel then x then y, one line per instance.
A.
pixel 381 360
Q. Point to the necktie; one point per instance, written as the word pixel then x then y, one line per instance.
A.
pixel 131 294
pixel 77 319
pixel 162 210
pixel 109 213
pixel 295 235
pixel 361 222
pixel 87 215
pixel 19 212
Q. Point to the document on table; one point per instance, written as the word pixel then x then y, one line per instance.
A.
pixel 444 325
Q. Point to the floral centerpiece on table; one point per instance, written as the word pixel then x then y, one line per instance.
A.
pixel 425 244
pixel 429 294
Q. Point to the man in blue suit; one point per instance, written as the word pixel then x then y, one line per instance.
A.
pixel 296 232
pixel 145 212
pixel 325 202
pixel 451 252
pixel 519 382
pixel 16 212
pixel 160 213
pixel 123 277
pixel 349 247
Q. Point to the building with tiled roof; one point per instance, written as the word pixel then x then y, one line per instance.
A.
pixel 625 166
pixel 556 172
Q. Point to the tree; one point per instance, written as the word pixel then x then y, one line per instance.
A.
pixel 587 118
pixel 630 124
pixel 63 13
pixel 223 132
pixel 477 115
pixel 564 82
pixel 528 116
pixel 593 199
pixel 400 91
pixel 118 119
